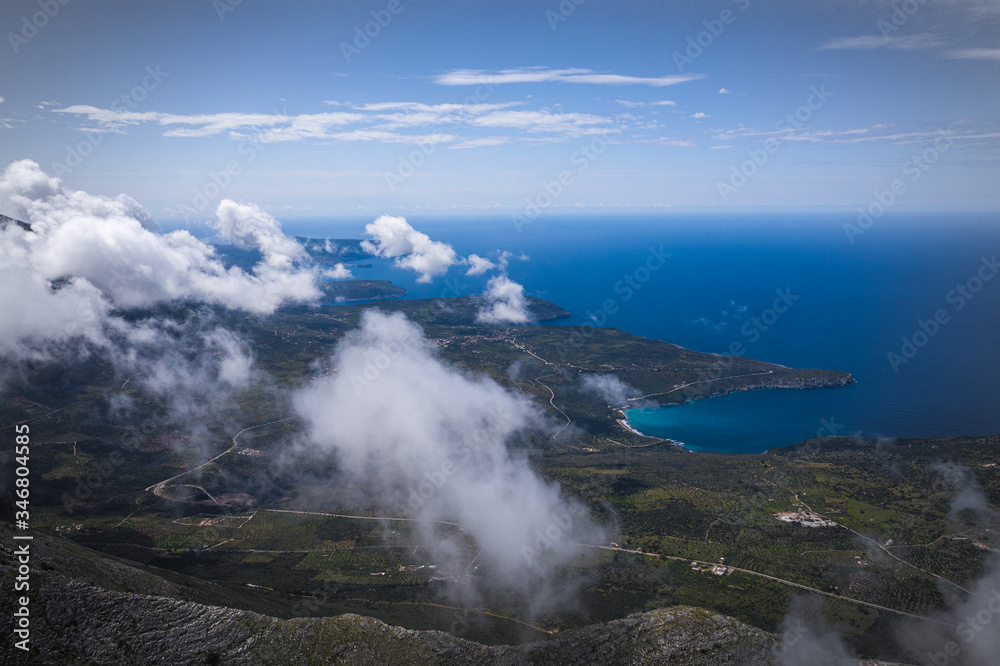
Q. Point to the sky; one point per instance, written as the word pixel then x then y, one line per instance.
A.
pixel 319 109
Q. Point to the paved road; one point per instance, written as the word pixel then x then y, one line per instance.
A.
pixel 777 580
pixel 157 488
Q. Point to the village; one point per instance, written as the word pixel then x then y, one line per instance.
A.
pixel 805 518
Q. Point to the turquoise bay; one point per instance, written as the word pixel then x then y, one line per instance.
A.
pixel 752 421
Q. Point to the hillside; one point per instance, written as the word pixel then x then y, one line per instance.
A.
pixel 90 608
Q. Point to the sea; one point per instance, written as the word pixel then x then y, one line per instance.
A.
pixel 909 304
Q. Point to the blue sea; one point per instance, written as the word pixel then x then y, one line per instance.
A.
pixel 846 306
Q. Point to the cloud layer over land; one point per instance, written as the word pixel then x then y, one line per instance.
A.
pixel 92 274
pixel 439 441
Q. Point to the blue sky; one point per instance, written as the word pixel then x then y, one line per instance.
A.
pixel 484 106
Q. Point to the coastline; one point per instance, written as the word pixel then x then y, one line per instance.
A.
pixel 623 422
pixel 817 383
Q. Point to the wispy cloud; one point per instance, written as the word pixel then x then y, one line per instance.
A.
pixel 471 77
pixel 481 143
pixel 410 114
pixel 545 121
pixel 391 137
pixel 385 122
pixel 974 54
pixel 414 107
pixel 629 104
pixel 668 141
pixel 204 124
pixel 293 128
pixel 914 42
pixel 886 133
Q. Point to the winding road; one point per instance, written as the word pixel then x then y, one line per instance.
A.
pixel 158 488
pixel 777 580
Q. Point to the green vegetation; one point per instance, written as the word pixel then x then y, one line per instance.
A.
pixel 361 290
pixel 92 470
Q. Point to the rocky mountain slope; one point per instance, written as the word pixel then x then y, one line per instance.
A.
pixel 88 608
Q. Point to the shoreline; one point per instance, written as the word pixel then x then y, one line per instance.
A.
pixel 623 422
pixel 748 389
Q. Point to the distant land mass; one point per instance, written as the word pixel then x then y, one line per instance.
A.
pixel 334 249
pixel 5 220
pixel 324 251
pixel 345 291
pixel 321 250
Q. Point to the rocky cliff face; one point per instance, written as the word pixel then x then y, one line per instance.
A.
pixel 87 608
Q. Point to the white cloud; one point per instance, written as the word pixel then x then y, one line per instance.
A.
pixel 394 238
pixel 969 508
pixel 724 91
pixel 545 121
pixel 609 388
pixel 36 317
pixel 310 126
pixel 391 137
pixel 84 275
pixel 479 265
pixel 414 114
pixel 699 116
pixel 435 440
pixel 974 54
pixel 298 127
pixel 209 124
pixel 338 272
pixel 193 365
pixel 481 143
pixel 87 255
pixel 504 303
pixel 875 133
pixel 469 77
pixel 247 226
pixel 379 122
pixel 639 105
pixel 870 42
pixel 437 109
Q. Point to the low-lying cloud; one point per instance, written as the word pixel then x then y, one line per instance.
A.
pixel 394 238
pixel 807 637
pixel 969 497
pixel 90 274
pixel 114 246
pixel 504 303
pixel 439 441
pixel 479 265
pixel 967 632
pixel 609 388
